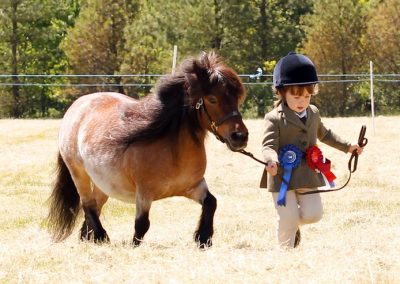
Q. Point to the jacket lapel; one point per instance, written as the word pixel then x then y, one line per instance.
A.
pixel 310 118
pixel 292 117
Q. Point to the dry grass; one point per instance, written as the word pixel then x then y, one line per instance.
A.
pixel 357 241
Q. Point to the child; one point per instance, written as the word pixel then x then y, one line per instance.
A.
pixel 294 121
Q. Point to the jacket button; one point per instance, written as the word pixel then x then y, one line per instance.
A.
pixel 304 131
pixel 304 143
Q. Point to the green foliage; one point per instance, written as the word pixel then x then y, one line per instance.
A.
pixel 6 103
pixel 259 100
pixel 30 34
pixel 146 50
pixel 381 42
pixel 333 42
pixel 95 45
pixel 113 37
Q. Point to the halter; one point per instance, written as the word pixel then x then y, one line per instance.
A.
pixel 214 125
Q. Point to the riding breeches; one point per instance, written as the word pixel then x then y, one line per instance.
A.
pixel 299 210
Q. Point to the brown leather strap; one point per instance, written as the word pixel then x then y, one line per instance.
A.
pixel 352 164
pixel 244 152
pixel 214 125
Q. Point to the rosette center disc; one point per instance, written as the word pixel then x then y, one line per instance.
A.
pixel 290 156
pixel 314 156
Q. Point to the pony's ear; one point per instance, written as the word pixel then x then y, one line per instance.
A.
pixel 200 69
pixel 197 76
pixel 212 62
pixel 202 74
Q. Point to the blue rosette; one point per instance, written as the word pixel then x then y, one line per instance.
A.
pixel 289 157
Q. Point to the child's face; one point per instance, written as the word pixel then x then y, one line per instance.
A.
pixel 298 102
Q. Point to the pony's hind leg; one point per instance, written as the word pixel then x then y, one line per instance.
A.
pixel 92 228
pixel 142 222
pixel 205 230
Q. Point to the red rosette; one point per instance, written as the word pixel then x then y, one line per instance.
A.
pixel 315 160
pixel 314 157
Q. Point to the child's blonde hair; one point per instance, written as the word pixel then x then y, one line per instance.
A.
pixel 297 90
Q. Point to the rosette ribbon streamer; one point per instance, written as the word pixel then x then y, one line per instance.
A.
pixel 289 158
pixel 317 162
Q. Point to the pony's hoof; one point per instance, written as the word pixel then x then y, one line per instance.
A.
pixel 98 238
pixel 204 246
pixel 136 242
pixel 203 242
pixel 102 238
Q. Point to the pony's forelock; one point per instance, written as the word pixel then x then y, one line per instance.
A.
pixel 209 71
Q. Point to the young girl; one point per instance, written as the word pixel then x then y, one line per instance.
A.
pixel 296 123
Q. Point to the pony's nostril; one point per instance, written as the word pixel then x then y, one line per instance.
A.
pixel 240 136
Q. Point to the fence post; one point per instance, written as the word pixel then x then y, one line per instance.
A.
pixel 371 78
pixel 174 59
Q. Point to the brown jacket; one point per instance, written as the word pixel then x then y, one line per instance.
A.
pixel 282 127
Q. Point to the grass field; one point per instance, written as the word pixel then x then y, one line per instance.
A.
pixel 357 241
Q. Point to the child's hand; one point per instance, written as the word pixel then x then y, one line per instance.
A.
pixel 272 168
pixel 356 147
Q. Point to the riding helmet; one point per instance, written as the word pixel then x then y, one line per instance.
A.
pixel 294 69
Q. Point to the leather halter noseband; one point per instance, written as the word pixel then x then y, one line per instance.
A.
pixel 214 125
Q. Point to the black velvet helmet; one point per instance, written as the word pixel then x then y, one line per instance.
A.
pixel 294 69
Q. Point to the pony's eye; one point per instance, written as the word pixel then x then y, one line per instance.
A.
pixel 212 99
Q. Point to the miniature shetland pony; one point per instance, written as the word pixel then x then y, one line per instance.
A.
pixel 140 151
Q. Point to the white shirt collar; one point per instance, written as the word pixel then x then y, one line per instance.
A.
pixel 302 114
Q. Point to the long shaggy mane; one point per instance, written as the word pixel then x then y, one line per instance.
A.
pixel 173 103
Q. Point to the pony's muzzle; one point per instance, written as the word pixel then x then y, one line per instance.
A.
pixel 238 140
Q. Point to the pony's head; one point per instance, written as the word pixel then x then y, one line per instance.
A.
pixel 214 91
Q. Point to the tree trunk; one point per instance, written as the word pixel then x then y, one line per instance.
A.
pixel 262 52
pixel 217 40
pixel 344 98
pixel 263 30
pixel 115 38
pixel 14 61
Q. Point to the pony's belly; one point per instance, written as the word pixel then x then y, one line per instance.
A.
pixel 114 185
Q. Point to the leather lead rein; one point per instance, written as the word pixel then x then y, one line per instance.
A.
pixel 352 164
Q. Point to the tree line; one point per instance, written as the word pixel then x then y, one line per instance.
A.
pixel 117 37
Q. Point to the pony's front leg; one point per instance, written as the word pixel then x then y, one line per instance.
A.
pixel 205 230
pixel 142 222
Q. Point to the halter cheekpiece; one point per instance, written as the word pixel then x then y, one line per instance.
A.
pixel 215 124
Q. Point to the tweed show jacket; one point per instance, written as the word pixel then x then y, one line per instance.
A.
pixel 282 127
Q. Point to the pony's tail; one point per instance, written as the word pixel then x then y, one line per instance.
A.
pixel 64 203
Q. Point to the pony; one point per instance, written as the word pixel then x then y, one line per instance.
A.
pixel 140 151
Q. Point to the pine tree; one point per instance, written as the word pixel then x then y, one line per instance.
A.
pixel 382 42
pixel 333 42
pixel 30 32
pixel 95 45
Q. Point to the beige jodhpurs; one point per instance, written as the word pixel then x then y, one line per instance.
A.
pixel 299 210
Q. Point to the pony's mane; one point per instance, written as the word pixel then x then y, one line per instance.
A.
pixel 173 102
